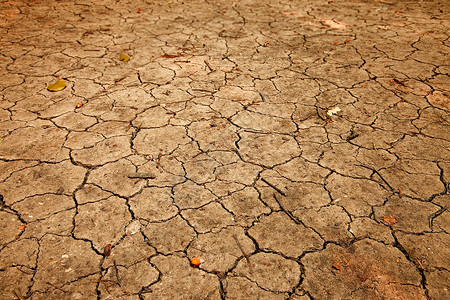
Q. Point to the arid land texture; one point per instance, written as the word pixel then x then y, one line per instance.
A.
pixel 298 149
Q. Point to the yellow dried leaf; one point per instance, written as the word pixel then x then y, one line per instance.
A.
pixel 124 57
pixel 59 85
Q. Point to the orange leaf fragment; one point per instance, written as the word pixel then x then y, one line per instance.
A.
pixel 364 87
pixel 22 227
pixel 195 262
pixel 107 250
pixel 390 220
pixel 126 292
pixel 337 266
pixel 139 11
pixel 336 42
pixel 79 105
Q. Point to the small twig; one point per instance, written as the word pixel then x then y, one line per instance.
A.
pixel 18 296
pixel 379 175
pixel 49 283
pixel 253 131
pixel 274 187
pixel 117 273
pixel 142 176
pixel 243 253
pixel 419 263
pixel 106 287
pixel 209 66
pixel 202 90
pixel 139 77
pixel 17 267
pixel 198 154
pixel 402 83
pixel 288 213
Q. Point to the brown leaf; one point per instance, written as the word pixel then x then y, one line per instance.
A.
pixel 390 220
pixel 107 251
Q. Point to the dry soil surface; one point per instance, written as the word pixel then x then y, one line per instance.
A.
pixel 299 149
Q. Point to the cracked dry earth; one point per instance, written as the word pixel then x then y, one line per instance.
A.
pixel 299 149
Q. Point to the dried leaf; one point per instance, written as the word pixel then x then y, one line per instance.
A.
pixel 107 250
pixel 79 105
pixel 334 24
pixel 22 227
pixel 333 111
pixel 195 262
pixel 337 266
pixel 59 85
pixel 390 220
pixel 124 57
pixel 353 135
